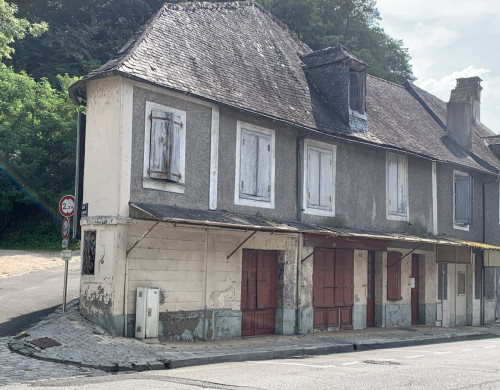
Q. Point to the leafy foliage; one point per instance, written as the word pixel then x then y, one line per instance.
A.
pixel 37 138
pixel 12 28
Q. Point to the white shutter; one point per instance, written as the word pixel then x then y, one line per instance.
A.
pixel 159 153
pixel 402 193
pixel 392 183
pixel 174 149
pixel 313 179
pixel 264 166
pixel 248 163
pixel 325 181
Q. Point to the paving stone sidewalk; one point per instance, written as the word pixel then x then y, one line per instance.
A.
pixel 84 345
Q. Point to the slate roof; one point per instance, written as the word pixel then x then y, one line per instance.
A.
pixel 237 54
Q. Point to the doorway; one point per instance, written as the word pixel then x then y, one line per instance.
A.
pixel 333 288
pixel 258 292
pixel 370 291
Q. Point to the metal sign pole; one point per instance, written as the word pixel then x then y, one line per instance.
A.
pixel 65 285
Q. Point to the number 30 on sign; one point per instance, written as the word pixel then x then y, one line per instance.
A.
pixel 67 205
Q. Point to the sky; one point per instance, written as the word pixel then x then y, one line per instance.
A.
pixel 448 39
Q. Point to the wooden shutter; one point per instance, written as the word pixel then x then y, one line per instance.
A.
pixel 159 153
pixel 319 178
pixel 325 182
pixel 174 173
pixel 392 183
pixel 264 167
pixel 313 178
pixel 248 166
pixel 463 199
pixel 393 276
pixel 402 168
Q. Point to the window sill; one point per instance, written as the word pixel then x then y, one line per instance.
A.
pixel 357 114
pixel 320 212
pixel 465 228
pixel 254 202
pixel 397 217
pixel 161 185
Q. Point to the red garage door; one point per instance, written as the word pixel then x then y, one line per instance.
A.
pixel 258 292
pixel 333 288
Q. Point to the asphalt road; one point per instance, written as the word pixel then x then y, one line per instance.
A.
pixel 26 299
pixel 472 364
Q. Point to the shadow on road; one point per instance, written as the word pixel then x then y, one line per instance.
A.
pixel 23 322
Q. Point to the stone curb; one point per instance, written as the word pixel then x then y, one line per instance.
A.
pixel 25 348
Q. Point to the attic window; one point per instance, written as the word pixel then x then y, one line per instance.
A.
pixel 357 91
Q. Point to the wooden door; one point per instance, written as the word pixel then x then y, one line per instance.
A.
pixel 415 290
pixel 370 291
pixel 258 292
pixel 333 288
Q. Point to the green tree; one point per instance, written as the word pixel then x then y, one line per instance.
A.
pixel 12 28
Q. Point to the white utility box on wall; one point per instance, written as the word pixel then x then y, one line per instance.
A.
pixel 147 312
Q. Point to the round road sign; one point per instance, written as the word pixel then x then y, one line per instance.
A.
pixel 65 228
pixel 67 205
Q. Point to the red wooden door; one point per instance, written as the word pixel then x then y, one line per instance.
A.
pixel 414 290
pixel 258 292
pixel 370 291
pixel 333 288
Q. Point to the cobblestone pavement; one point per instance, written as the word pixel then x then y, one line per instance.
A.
pixel 86 349
pixel 16 368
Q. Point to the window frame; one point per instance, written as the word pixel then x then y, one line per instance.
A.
pixel 310 144
pixel 164 184
pixel 360 111
pixel 245 199
pixel 459 225
pixel 392 215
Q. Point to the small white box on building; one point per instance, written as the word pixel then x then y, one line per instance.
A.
pixel 147 312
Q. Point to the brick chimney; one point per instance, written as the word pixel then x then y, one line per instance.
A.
pixel 463 110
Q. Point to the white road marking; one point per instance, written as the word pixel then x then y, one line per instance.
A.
pixel 414 350
pixel 441 353
pixel 292 364
pixel 349 363
pixel 491 346
pixel 414 356
pixel 467 349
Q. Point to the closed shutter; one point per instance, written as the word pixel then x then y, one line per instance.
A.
pixel 392 183
pixel 393 276
pixel 354 91
pixel 264 167
pixel 463 199
pixel 402 161
pixel 174 173
pixel 248 167
pixel 159 153
pixel 320 178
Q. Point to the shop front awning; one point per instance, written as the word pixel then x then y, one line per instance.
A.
pixel 223 219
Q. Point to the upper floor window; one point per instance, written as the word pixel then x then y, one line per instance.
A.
pixel 319 178
pixel 397 187
pixel 254 184
pixel 357 91
pixel 462 200
pixel 164 148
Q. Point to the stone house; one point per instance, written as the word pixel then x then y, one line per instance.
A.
pixel 266 188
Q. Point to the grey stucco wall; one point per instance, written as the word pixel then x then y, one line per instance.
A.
pixel 492 216
pixel 198 127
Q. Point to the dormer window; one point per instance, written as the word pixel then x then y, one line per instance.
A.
pixel 357 91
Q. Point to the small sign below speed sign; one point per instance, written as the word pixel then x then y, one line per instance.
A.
pixel 65 228
pixel 67 205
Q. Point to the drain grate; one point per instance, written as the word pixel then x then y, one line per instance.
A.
pixel 45 343
pixel 383 362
